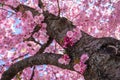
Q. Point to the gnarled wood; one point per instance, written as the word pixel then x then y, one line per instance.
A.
pixel 104 53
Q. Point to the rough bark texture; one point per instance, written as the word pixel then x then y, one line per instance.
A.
pixel 104 53
pixel 45 58
pixel 104 62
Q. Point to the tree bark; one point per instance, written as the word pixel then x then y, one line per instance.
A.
pixel 104 53
pixel 45 58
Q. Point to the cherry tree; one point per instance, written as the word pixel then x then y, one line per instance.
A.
pixel 59 40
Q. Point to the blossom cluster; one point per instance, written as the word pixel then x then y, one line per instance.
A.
pixel 71 37
pixel 81 66
pixel 64 59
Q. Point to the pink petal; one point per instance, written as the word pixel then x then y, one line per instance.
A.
pixel 69 34
pixel 84 58
pixel 76 67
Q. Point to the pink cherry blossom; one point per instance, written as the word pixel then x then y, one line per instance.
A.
pixel 19 14
pixel 81 67
pixel 38 19
pixel 69 34
pixel 84 58
pixel 71 37
pixel 67 42
pixel 81 78
pixel 64 59
pixel 77 67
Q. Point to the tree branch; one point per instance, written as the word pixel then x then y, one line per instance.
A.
pixel 19 57
pixel 40 4
pixel 44 46
pixel 58 7
pixel 46 58
pixel 32 39
pixel 103 63
pixel 36 29
pixel 7 10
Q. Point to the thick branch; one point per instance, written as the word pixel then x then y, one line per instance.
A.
pixel 104 61
pixel 46 58
pixel 19 57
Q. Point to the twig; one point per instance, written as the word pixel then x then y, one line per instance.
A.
pixel 33 72
pixel 19 57
pixel 40 4
pixel 44 46
pixel 32 39
pixel 7 10
pixel 9 6
pixel 58 8
pixel 36 29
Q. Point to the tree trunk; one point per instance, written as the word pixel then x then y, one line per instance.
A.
pixel 104 53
